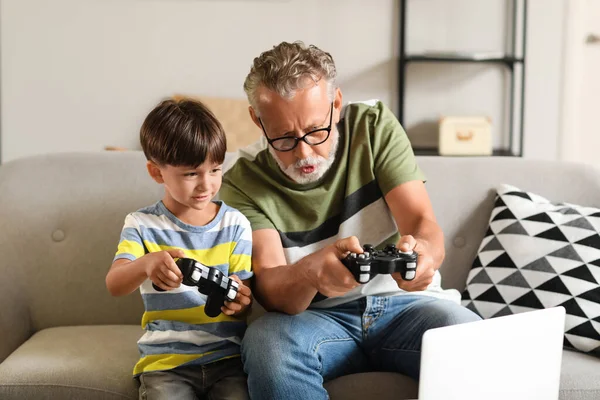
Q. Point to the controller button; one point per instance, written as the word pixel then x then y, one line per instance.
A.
pixel 411 265
pixel 361 256
pixel 366 268
pixel 410 275
pixel 196 275
pixel 353 255
pixel 367 254
pixel 364 278
pixel 231 294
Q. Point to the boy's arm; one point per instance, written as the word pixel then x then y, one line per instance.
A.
pixel 243 300
pixel 240 269
pixel 125 275
pixel 132 266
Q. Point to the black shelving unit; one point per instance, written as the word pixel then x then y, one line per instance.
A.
pixel 509 61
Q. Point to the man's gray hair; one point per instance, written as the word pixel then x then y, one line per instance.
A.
pixel 286 68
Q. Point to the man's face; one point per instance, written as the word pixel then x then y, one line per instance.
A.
pixel 309 110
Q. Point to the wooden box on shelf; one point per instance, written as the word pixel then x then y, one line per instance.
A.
pixel 465 136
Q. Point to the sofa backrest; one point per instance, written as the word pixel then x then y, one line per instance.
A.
pixel 61 216
pixel 462 191
pixel 60 222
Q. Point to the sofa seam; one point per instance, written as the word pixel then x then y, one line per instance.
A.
pixel 63 386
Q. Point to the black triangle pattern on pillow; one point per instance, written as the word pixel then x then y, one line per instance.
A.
pixel 538 254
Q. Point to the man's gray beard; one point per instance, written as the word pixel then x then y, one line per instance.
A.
pixel 321 164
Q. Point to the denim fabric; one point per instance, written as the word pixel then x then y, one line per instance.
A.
pixel 291 356
pixel 224 379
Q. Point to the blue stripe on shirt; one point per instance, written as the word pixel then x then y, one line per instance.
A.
pixel 189 240
pixel 184 348
pixel 220 329
pixel 243 247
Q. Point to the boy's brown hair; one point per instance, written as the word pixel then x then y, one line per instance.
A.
pixel 182 132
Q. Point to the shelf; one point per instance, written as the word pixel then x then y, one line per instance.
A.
pixel 509 60
pixel 434 152
pixel 512 57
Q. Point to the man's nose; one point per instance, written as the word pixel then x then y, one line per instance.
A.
pixel 302 150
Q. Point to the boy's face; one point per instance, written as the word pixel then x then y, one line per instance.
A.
pixel 188 187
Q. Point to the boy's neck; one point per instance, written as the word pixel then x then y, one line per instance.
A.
pixel 191 216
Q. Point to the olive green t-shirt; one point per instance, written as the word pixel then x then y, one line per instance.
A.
pixel 374 156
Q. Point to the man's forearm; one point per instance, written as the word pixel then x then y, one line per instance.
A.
pixel 430 233
pixel 284 288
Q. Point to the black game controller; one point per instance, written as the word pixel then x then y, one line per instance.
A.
pixel 364 266
pixel 210 281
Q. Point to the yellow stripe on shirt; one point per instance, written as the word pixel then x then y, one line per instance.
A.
pixel 239 262
pixel 159 362
pixel 216 255
pixel 131 247
pixel 194 315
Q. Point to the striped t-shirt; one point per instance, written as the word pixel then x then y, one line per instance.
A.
pixel 177 329
pixel 374 156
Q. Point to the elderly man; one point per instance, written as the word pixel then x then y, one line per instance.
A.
pixel 328 179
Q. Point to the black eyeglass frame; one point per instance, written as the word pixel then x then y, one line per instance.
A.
pixel 303 138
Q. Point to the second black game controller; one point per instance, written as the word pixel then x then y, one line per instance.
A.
pixel 210 281
pixel 364 266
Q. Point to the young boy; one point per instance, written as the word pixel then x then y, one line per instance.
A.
pixel 184 353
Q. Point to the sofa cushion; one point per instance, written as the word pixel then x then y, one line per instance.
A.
pixel 539 254
pixel 372 385
pixel 580 380
pixel 579 376
pixel 79 362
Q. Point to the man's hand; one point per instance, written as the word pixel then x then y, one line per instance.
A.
pixel 325 270
pixel 161 269
pixel 242 301
pixel 425 265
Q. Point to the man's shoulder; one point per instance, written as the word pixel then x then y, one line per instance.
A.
pixel 355 111
pixel 249 159
pixel 364 119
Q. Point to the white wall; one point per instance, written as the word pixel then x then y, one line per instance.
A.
pixel 82 74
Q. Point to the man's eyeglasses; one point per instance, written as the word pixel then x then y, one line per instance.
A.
pixel 312 138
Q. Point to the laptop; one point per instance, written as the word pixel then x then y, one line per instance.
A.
pixel 511 357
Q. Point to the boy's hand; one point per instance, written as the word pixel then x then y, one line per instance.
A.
pixel 242 301
pixel 162 270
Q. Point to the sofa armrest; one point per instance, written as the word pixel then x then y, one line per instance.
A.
pixel 15 323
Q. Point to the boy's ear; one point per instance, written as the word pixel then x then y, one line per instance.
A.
pixel 154 172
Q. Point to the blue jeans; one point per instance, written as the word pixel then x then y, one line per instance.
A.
pixel 290 356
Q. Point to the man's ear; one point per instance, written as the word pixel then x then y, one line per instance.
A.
pixel 337 105
pixel 254 117
pixel 154 172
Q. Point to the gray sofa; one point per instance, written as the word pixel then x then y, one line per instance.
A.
pixel 62 336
